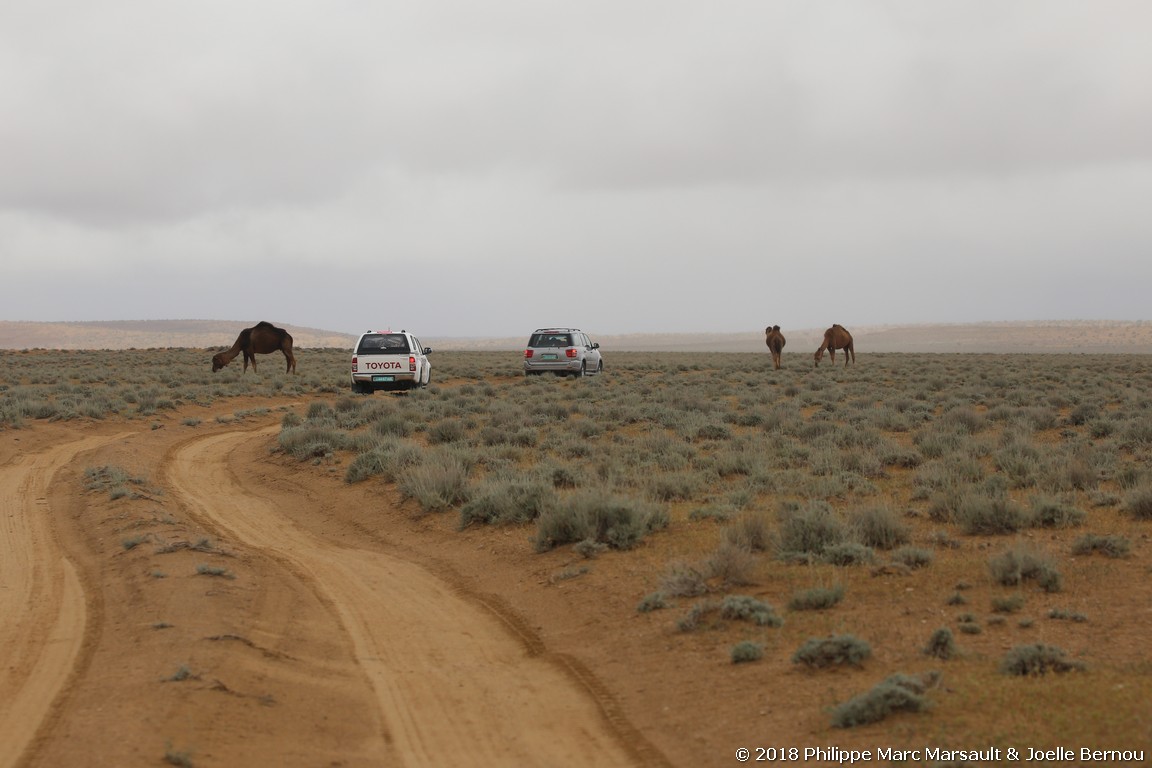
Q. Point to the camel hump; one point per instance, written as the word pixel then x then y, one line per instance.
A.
pixel 263 324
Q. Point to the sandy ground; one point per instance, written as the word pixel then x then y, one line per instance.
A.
pixel 231 634
pixel 245 609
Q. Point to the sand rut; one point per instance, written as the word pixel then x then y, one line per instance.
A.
pixel 41 602
pixel 453 685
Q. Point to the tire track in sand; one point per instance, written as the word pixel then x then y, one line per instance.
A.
pixel 454 686
pixel 42 605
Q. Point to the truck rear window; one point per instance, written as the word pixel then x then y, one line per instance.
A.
pixel 383 344
pixel 550 340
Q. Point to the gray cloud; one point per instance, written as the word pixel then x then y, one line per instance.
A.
pixel 649 165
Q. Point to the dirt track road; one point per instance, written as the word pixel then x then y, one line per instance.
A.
pixel 454 685
pixel 42 604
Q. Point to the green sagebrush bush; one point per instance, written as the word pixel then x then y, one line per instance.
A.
pixel 896 693
pixel 745 608
pixel 1110 545
pixel 942 644
pixel 617 521
pixel 746 651
pixel 507 500
pixel 1014 566
pixel 835 651
pixel 1038 659
pixel 809 529
pixel 816 598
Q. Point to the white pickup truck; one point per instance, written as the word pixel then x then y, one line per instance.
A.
pixel 389 360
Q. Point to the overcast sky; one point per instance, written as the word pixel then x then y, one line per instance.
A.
pixel 485 168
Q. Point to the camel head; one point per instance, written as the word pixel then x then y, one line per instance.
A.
pixel 219 361
pixel 818 356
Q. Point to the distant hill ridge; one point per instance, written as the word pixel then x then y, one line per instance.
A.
pixel 1064 336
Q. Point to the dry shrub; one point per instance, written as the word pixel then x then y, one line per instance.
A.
pixel 1038 659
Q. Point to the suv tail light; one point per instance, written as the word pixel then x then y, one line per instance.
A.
pixel 570 352
pixel 527 354
pixel 411 363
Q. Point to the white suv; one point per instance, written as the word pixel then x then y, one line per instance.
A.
pixel 389 360
pixel 562 351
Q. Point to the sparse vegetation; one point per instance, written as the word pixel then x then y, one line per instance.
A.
pixel 816 598
pixel 896 693
pixel 746 651
pixel 942 644
pixel 835 651
pixel 962 463
pixel 1038 659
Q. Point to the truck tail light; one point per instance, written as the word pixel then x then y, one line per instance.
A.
pixel 353 365
pixel 411 363
pixel 570 352
pixel 527 354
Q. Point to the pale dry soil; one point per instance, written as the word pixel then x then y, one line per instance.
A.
pixel 247 609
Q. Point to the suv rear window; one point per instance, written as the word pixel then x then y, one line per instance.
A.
pixel 383 344
pixel 551 340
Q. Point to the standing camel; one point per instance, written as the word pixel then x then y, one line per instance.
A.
pixel 775 341
pixel 836 337
pixel 261 338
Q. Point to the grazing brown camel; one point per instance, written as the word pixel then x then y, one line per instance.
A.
pixel 775 341
pixel 836 337
pixel 262 339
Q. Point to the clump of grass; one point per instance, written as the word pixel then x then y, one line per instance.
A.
pixel 1038 659
pixel 617 521
pixel 572 572
pixel 942 644
pixel 751 531
pixel 589 548
pixel 1007 604
pixel 809 529
pixel 695 616
pixel 984 514
pixel 438 482
pixel 1138 502
pixel 838 650
pixel 180 759
pixel 745 608
pixel 1053 513
pixel 1019 564
pixel 1065 615
pixel 653 602
pixel 1112 545
pixel 816 598
pixel 896 693
pixel 848 553
pixel 506 500
pixel 181 674
pixel 746 651
pixel 718 512
pixel 880 528
pixel 682 579
pixel 116 480
pixel 313 440
pixel 214 570
pixel 913 557
pixel 732 564
pixel 447 431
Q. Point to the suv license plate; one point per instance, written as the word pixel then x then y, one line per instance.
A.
pixel 548 357
pixel 383 378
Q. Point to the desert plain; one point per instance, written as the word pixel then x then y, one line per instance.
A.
pixel 244 569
